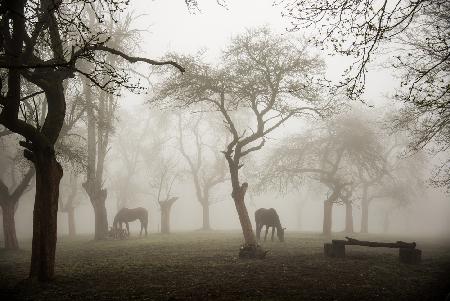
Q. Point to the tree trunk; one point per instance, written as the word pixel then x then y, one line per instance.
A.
pixel 244 219
pixel 348 218
pixel 48 176
pixel 327 217
pixel 365 211
pixel 101 216
pixel 165 214
pixel 71 221
pixel 165 220
pixel 206 224
pixel 9 226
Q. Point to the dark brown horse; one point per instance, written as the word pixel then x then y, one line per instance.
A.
pixel 126 215
pixel 268 218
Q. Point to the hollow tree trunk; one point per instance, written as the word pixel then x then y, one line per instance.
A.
pixel 364 211
pixel 348 218
pixel 206 223
pixel 48 176
pixel 9 226
pixel 327 217
pixel 244 219
pixel 165 214
pixel 71 221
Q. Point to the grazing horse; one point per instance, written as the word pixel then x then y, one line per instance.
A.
pixel 268 218
pixel 126 215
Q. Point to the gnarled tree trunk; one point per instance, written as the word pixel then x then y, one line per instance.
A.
pixel 48 176
pixel 244 219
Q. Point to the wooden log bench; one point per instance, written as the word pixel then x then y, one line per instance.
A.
pixel 407 251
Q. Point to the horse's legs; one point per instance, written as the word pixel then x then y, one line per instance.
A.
pixel 142 227
pixel 273 232
pixel 258 232
pixel 128 228
pixel 117 230
pixel 267 231
pixel 145 228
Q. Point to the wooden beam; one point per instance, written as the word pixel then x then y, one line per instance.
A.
pixel 356 242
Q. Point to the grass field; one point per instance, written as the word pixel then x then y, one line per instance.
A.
pixel 204 266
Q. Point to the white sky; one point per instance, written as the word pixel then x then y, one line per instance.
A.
pixel 171 27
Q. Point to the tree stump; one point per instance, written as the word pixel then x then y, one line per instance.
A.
pixel 338 249
pixel 334 249
pixel 408 255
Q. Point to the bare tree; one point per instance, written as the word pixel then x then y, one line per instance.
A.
pixel 206 173
pixel 33 110
pixel 416 33
pixel 332 155
pixel 71 202
pixel 99 129
pixel 400 184
pixel 162 182
pixel 397 195
pixel 9 201
pixel 33 49
pixel 398 167
pixel 271 77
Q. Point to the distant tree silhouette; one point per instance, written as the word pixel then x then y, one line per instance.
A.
pixel 9 201
pixel 206 173
pixel 331 154
pixel 71 202
pixel 162 181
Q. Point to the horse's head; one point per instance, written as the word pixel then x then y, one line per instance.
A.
pixel 280 233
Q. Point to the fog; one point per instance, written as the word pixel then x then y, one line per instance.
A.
pixel 184 118
pixel 169 26
pixel 301 210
